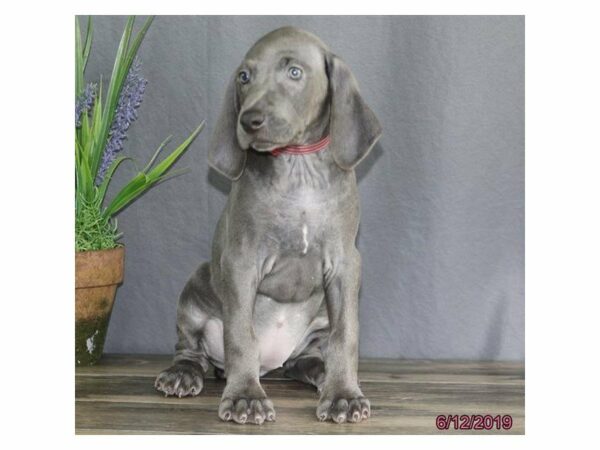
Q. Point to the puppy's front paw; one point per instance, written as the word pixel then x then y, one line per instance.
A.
pixel 182 379
pixel 344 407
pixel 245 401
pixel 247 410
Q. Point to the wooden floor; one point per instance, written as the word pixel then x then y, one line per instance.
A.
pixel 117 397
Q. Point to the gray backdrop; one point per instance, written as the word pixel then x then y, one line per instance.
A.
pixel 442 194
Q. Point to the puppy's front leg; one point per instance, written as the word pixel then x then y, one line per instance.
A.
pixel 341 398
pixel 244 399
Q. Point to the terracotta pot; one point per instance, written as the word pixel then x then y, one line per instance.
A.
pixel 97 275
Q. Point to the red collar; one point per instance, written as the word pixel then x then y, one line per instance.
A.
pixel 302 149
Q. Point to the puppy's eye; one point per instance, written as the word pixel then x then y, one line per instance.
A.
pixel 295 73
pixel 244 77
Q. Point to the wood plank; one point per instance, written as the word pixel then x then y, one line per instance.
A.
pixel 118 397
pixel 152 365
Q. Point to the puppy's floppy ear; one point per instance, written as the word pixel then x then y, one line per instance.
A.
pixel 353 127
pixel 224 153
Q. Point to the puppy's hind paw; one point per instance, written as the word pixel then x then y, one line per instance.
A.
pixel 182 379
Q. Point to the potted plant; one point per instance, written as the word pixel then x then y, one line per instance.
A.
pixel 101 124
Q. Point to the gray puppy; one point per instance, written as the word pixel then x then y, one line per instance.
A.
pixel 282 286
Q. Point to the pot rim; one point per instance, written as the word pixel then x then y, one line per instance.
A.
pixel 119 247
pixel 96 268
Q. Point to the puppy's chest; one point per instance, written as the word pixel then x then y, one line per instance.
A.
pixel 293 246
pixel 297 226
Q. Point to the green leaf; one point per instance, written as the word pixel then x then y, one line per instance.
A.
pixel 171 174
pixel 88 43
pixel 166 163
pixel 85 182
pixel 136 43
pixel 142 182
pixel 108 176
pixel 125 194
pixel 158 150
pixel 97 111
pixel 78 60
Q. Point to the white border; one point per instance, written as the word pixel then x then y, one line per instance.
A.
pixel 562 221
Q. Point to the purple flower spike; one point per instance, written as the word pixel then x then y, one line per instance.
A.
pixel 84 102
pixel 130 100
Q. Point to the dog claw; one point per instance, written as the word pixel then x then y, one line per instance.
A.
pixel 341 410
pixel 180 380
pixel 242 410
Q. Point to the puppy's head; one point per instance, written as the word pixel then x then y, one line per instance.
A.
pixel 288 89
pixel 281 87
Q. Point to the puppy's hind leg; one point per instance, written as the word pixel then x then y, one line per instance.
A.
pixel 220 374
pixel 306 363
pixel 309 369
pixel 186 376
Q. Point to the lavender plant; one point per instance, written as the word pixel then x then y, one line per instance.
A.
pixel 130 100
pixel 84 102
pixel 100 133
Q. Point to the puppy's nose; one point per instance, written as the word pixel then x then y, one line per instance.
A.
pixel 252 120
